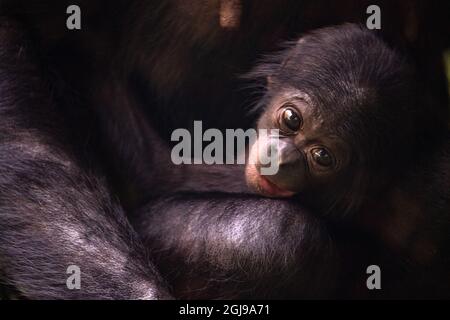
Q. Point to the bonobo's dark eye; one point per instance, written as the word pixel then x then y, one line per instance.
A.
pixel 290 120
pixel 322 157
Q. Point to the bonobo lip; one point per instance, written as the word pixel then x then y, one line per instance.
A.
pixel 270 189
pixel 263 186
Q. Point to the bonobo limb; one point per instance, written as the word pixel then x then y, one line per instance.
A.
pixel 224 246
pixel 54 213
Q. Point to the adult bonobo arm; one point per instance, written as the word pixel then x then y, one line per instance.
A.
pixel 142 159
pixel 224 246
pixel 53 212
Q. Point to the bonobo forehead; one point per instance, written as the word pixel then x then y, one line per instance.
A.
pixel 301 101
pixel 324 113
pixel 354 80
pixel 362 90
pixel 341 67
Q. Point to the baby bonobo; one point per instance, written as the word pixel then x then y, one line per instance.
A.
pixel 351 139
pixel 354 142
pixel 343 104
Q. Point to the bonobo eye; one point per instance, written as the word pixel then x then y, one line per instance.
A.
pixel 290 120
pixel 322 157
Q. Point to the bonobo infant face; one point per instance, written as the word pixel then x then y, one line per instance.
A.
pixel 308 153
pixel 342 102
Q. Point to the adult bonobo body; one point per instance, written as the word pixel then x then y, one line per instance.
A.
pixel 133 60
pixel 350 145
pixel 56 210
pixel 54 213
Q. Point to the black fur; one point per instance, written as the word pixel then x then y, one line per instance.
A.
pixel 53 212
pixel 44 186
pixel 224 246
pixel 365 93
pixel 219 246
pixel 406 213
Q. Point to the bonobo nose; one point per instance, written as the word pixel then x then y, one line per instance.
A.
pixel 288 155
pixel 284 153
pixel 291 165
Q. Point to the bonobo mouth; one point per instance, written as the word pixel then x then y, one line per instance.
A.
pixel 263 186
pixel 270 189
